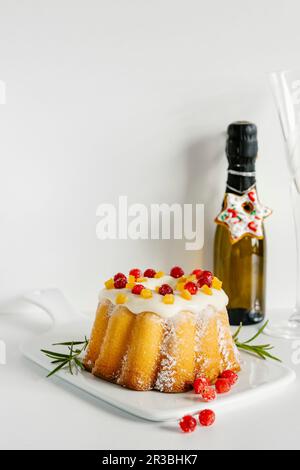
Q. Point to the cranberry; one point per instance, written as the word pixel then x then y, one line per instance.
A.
pixel 188 423
pixel 208 394
pixel 120 282
pixel 191 287
pixel 231 376
pixel 136 273
pixel 223 386
pixel 205 279
pixel 149 273
pixel 176 272
pixel 207 418
pixel 200 384
pixel 137 289
pixel 197 273
pixel 165 289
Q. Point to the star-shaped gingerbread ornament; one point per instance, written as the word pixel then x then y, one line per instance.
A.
pixel 243 215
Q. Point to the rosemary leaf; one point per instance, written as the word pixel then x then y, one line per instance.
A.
pixel 63 364
pixel 260 350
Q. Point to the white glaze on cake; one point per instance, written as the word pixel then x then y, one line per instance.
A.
pixel 137 304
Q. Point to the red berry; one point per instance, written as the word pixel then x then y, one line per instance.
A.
pixel 119 276
pixel 223 386
pixel 149 273
pixel 208 394
pixel 205 279
pixel 207 418
pixel 176 272
pixel 191 287
pixel 136 273
pixel 120 282
pixel 165 289
pixel 137 289
pixel 200 384
pixel 197 273
pixel 188 423
pixel 231 376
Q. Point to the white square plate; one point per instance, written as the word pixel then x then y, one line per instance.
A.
pixel 258 378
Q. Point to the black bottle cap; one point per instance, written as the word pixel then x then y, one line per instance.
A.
pixel 242 140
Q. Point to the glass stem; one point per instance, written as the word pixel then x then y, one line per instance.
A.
pixel 295 196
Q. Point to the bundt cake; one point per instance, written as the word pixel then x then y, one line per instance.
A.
pixel 154 331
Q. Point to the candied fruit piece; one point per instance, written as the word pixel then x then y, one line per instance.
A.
pixel 131 279
pixel 159 274
pixel 180 286
pixel 185 294
pixel 142 279
pixel 206 290
pixel 168 299
pixel 121 299
pixel 130 285
pixel 146 294
pixel 109 284
pixel 217 284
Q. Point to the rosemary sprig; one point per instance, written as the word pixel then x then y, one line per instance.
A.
pixel 260 350
pixel 71 359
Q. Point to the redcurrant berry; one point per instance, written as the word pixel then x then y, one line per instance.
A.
pixel 208 394
pixel 120 283
pixel 119 276
pixel 197 273
pixel 191 287
pixel 165 289
pixel 149 273
pixel 223 386
pixel 205 279
pixel 231 376
pixel 176 272
pixel 136 273
pixel 137 289
pixel 207 418
pixel 200 384
pixel 188 423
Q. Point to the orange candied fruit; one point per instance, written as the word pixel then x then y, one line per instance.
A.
pixel 121 299
pixel 185 294
pixel 130 285
pixel 142 279
pixel 168 299
pixel 180 286
pixel 159 274
pixel 109 284
pixel 217 284
pixel 146 294
pixel 206 290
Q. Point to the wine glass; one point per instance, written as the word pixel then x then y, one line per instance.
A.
pixel 286 90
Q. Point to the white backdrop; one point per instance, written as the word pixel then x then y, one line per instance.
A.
pixel 132 97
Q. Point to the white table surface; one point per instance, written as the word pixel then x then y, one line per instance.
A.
pixel 40 413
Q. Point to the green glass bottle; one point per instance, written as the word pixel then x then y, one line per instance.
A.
pixel 240 263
